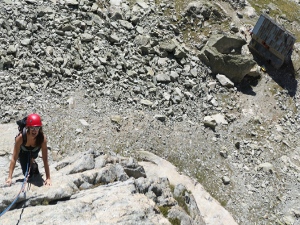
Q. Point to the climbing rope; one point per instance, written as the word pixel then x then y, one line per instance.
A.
pixel 22 189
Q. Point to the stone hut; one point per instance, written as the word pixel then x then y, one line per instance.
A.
pixel 273 42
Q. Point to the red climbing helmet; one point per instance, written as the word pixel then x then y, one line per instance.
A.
pixel 33 120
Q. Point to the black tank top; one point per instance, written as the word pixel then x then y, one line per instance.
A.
pixel 30 148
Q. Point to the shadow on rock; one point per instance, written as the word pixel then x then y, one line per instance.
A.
pixel 284 76
pixel 20 218
pixel 36 180
pixel 245 86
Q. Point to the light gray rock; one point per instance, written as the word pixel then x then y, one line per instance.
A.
pixel 226 180
pixel 267 167
pixel 174 76
pixel 126 24
pixel 82 164
pixel 21 24
pixel 116 119
pixel 92 206
pixel 295 57
pixel 114 38
pixel 72 2
pixel 213 120
pixel 12 49
pixel 223 152
pixel 162 77
pixel 146 102
pixel 224 81
pixel 84 122
pixel 208 121
pixel 255 71
pixel 142 4
pixel 26 41
pixel 179 190
pixel 179 214
pixel 142 40
pixel 168 46
pixel 100 162
pixel 133 169
pixel 86 37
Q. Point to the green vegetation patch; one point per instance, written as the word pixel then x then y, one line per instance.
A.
pixel 175 221
pixel 181 202
pixel 289 9
pixel 165 210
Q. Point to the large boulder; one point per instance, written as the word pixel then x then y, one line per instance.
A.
pixel 223 55
pixel 227 44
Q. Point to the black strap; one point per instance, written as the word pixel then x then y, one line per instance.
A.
pixel 24 135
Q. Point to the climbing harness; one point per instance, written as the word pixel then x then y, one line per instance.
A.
pixel 22 189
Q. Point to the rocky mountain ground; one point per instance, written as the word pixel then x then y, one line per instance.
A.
pixel 119 77
pixel 95 188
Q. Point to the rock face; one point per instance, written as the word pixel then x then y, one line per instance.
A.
pixel 97 188
pixel 223 55
pixel 211 211
pixel 117 203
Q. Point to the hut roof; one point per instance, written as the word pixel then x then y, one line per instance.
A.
pixel 274 35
